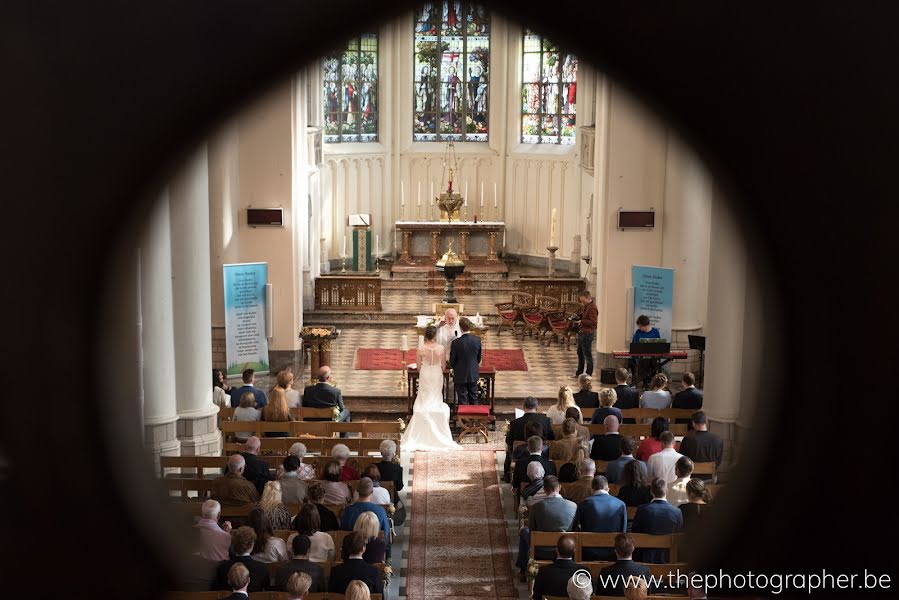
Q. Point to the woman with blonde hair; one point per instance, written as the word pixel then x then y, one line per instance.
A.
pixel 556 414
pixel 607 399
pixel 635 588
pixel 357 590
pixel 247 411
pixel 657 396
pixel 285 382
pixel 272 506
pixel 376 548
pixel 276 410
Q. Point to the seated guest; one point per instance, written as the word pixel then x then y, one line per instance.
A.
pixel 521 451
pixel 586 397
pixel 298 586
pixel 293 489
pixel 698 498
pixel 534 492
pixel 378 494
pixel 354 568
pixel 232 488
pixel 636 589
pixel 552 579
pixel 553 513
pixel 390 471
pixel 701 445
pixel 268 547
pixel 569 447
pixel 341 453
pixel 238 581
pixel 607 399
pixel 657 396
pixel 607 446
pixel 661 464
pixel 304 471
pixel 214 540
pixel 249 378
pixel 285 382
pixel 583 486
pixel 600 513
pixel 364 503
pixel 579 589
pixel 556 414
pixel 276 514
pixel 247 411
pixel 689 397
pixel 611 580
pixel 656 518
pixel 574 412
pixel 516 430
pixel 325 395
pixel 242 541
pixel 375 547
pixel 628 396
pixel 308 523
pixel 616 467
pixel 357 590
pixel 196 573
pixel 645 366
pixel 327 518
pixel 277 410
pixel 336 491
pixel 651 444
pixel 300 563
pixel 220 389
pixel 633 487
pixel 535 448
pixel 677 489
pixel 256 471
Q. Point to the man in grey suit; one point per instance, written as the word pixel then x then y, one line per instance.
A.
pixel 615 468
pixel 553 513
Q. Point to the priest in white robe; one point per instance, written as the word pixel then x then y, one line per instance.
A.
pixel 448 329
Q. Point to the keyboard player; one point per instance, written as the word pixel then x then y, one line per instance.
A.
pixel 643 368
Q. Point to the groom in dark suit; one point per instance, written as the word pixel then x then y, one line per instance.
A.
pixel 465 356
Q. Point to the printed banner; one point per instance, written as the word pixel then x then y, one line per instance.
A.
pixel 653 295
pixel 245 341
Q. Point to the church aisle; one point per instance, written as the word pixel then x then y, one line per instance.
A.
pixel 457 544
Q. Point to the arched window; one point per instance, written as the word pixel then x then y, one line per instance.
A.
pixel 350 92
pixel 452 59
pixel 548 92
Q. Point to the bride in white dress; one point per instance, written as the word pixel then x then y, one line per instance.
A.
pixel 428 429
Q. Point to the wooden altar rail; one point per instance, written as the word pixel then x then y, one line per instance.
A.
pixel 565 290
pixel 348 293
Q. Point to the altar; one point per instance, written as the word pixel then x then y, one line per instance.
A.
pixel 478 244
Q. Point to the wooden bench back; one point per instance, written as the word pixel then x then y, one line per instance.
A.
pixel 605 540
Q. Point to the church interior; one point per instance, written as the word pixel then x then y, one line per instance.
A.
pixel 448 137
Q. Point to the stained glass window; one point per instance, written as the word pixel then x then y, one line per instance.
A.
pixel 548 92
pixel 350 92
pixel 452 59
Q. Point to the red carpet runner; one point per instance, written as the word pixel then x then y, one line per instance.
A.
pixel 458 547
pixel 388 359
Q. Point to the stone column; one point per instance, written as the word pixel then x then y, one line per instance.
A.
pixel 189 205
pixel 685 247
pixel 158 340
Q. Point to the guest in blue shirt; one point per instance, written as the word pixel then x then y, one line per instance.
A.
pixel 351 513
pixel 645 330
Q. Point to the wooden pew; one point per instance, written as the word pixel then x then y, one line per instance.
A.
pixel 645 413
pixel 265 595
pixel 637 431
pixel 606 540
pixel 314 445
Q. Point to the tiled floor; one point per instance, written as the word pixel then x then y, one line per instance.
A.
pixel 548 368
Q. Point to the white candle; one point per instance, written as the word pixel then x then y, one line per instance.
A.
pixel 494 194
pixel 377 244
pixel 552 230
pixel 465 195
pixel 432 192
pixel 344 244
pixel 482 194
pixel 405 343
pixel 419 193
pixel 402 194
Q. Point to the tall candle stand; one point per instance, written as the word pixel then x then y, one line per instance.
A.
pixel 343 264
pixel 551 267
pixel 402 383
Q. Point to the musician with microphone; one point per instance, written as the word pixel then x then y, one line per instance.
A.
pixel 448 329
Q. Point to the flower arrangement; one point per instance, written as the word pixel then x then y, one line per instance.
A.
pixel 533 569
pixel 402 425
pixel 388 572
pixel 523 511
pixel 315 332
pixel 335 414
pixel 390 509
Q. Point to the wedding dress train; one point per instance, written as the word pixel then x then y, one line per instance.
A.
pixel 428 429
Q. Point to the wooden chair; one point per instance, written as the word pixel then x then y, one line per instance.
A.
pixel 474 419
pixel 510 312
pixel 535 318
pixel 561 324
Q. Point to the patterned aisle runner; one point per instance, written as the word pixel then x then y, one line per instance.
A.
pixel 458 546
